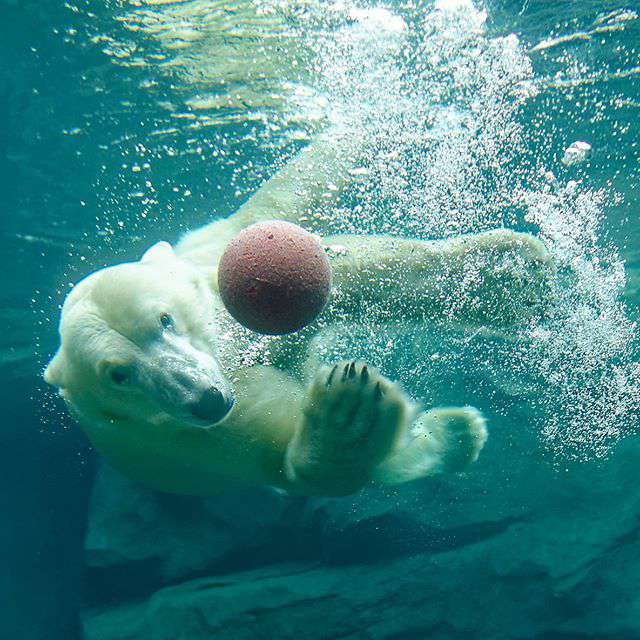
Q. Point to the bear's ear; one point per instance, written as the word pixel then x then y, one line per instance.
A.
pixel 54 373
pixel 159 251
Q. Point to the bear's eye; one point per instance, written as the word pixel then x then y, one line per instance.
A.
pixel 166 321
pixel 120 375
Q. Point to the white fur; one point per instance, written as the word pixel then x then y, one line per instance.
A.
pixel 326 439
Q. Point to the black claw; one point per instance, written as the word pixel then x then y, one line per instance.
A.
pixel 330 378
pixel 364 374
pixel 378 392
pixel 345 372
pixel 352 370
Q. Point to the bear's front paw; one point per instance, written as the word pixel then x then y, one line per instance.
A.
pixel 357 409
pixel 352 419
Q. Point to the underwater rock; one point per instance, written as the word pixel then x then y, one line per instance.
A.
pixel 141 539
pixel 507 551
pixel 548 576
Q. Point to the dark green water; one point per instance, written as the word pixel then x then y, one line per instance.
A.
pixel 119 131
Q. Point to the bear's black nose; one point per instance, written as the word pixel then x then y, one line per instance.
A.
pixel 211 406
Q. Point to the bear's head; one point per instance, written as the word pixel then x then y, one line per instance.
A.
pixel 138 342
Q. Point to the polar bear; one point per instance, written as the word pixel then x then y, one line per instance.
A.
pixel 153 367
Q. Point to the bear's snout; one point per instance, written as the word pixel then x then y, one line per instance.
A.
pixel 211 406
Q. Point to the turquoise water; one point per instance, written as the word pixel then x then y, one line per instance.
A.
pixel 132 122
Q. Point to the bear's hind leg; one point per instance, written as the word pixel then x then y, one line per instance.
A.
pixel 353 418
pixel 443 440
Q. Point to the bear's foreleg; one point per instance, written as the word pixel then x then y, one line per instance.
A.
pixel 304 192
pixel 353 418
pixel 496 278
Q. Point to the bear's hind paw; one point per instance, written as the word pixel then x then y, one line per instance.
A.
pixel 445 440
pixel 458 435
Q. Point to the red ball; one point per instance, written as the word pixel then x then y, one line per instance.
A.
pixel 274 277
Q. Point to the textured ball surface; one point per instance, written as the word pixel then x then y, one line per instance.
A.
pixel 274 277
